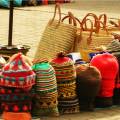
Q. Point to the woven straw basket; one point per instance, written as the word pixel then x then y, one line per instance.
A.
pixel 88 38
pixel 57 37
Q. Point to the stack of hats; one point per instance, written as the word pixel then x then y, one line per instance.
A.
pixel 17 79
pixel 108 67
pixel 88 85
pixel 45 101
pixel 66 79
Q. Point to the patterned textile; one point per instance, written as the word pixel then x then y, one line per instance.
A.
pixel 45 101
pixel 16 82
pixel 15 100
pixel 66 79
pixel 17 73
pixel 88 85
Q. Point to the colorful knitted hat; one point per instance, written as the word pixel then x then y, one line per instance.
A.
pixel 108 67
pixel 88 85
pixel 17 73
pixel 66 79
pixel 45 101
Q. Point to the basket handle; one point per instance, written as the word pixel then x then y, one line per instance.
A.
pixel 91 30
pixel 104 16
pixel 57 7
pixel 96 23
pixel 104 22
pixel 71 18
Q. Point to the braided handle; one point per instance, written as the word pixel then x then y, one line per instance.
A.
pixel 57 7
pixel 91 30
pixel 96 25
pixel 71 18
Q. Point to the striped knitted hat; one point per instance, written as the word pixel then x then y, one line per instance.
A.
pixel 45 101
pixel 17 73
pixel 66 81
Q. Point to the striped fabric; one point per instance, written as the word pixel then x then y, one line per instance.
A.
pixel 66 79
pixel 45 102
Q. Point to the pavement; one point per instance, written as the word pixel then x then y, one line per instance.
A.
pixel 29 24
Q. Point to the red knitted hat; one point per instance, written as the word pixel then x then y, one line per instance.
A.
pixel 17 73
pixel 108 66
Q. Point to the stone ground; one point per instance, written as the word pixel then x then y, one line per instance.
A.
pixel 29 24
